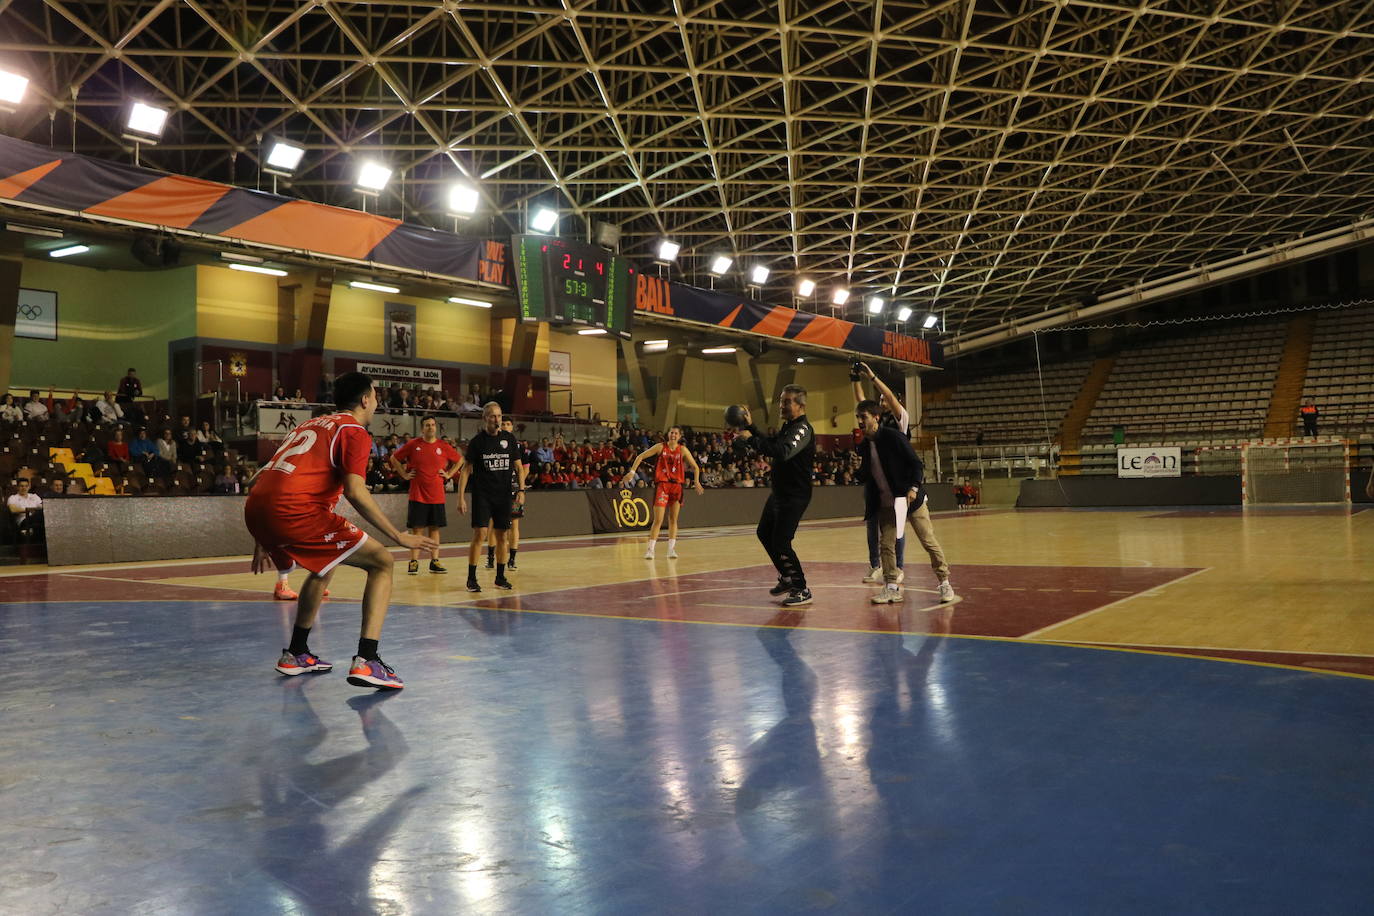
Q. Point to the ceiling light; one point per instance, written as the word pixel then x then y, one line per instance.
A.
pixel 840 296
pixel 283 158
pixel 655 346
pixel 589 332
pixel 544 219
pixel 257 269
pixel 145 123
pixel 479 303
pixel 241 258
pixel 372 177
pixel 12 88
pixel 667 251
pixel 903 313
pixel 717 351
pixel 721 264
pixel 759 275
pixel 375 287
pixel 69 250
pixel 931 321
pixel 875 305
pixel 462 199
pixel 806 287
pixel 43 231
pixel 800 359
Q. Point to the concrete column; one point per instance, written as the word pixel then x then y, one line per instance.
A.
pixel 639 388
pixel 669 388
pixel 306 364
pixel 750 383
pixel 10 272
pixel 787 375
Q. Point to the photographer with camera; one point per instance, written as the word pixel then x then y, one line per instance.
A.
pixel 894 415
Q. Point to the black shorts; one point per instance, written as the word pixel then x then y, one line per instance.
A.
pixel 489 510
pixel 425 515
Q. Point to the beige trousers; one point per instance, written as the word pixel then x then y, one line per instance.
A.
pixel 925 533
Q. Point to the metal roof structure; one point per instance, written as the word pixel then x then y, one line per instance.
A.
pixel 994 160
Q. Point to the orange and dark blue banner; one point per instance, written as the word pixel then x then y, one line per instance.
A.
pixel 654 296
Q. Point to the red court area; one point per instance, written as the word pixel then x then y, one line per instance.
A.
pixel 1005 601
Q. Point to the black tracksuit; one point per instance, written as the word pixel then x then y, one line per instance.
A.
pixel 793 451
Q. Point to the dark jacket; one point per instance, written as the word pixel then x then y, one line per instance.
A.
pixel 793 451
pixel 901 467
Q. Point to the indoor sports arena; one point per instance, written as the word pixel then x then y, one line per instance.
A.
pixel 687 457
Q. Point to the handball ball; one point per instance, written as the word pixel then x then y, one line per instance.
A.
pixel 734 416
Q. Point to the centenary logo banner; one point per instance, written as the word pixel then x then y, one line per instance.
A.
pixel 616 510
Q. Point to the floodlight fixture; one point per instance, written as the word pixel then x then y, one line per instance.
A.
pixel 372 177
pixel 68 250
pixel 145 123
pixel 801 359
pixel 903 313
pixel 931 321
pixel 720 265
pixel 591 332
pixel 655 346
pixel 717 351
pixel 375 287
pixel 476 303
pixel 283 158
pixel 462 199
pixel 544 219
pixel 875 305
pixel 806 287
pixel 259 269
pixel 12 89
pixel 667 251
pixel 759 275
pixel 840 296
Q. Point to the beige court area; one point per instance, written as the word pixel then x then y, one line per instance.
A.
pixel 1235 582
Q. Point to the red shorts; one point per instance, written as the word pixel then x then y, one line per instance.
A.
pixel 666 493
pixel 319 543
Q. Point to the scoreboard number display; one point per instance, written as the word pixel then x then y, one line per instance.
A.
pixel 571 282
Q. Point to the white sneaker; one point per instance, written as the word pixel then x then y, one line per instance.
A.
pixel 874 575
pixel 672 553
pixel 946 592
pixel 901 575
pixel 649 554
pixel 891 594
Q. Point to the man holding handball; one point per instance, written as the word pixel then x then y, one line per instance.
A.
pixel 290 513
pixel 670 477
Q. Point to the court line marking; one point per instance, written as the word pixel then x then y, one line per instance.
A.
pixel 1154 645
pixel 1033 634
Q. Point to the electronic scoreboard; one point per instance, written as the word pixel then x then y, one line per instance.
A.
pixel 566 281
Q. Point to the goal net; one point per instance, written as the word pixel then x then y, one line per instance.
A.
pixel 1295 471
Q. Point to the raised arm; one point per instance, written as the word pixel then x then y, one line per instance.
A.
pixel 649 452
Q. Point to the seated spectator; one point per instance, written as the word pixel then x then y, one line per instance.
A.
pixel 279 395
pixel 545 452
pixel 117 451
pixel 226 482
pixel 473 402
pixel 167 452
pixel 142 450
pixel 376 478
pixel 129 388
pixel 26 508
pixel 58 488
pixel 10 412
pixel 744 480
pixel 208 442
pixel 34 408
pixel 299 397
pixel 185 439
pixel 109 410
pixel 379 450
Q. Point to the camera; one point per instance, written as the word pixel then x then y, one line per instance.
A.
pixel 856 371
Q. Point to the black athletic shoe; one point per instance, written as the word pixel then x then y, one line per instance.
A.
pixel 491 561
pixel 436 567
pixel 511 565
pixel 413 568
pixel 503 583
pixel 473 586
pixel 782 587
pixel 797 598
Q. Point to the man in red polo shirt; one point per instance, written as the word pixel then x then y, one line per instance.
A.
pixel 427 462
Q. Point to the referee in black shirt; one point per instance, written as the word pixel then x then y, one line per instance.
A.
pixel 493 465
pixel 793 451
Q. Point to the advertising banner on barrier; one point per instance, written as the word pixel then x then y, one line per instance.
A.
pixel 617 510
pixel 279 421
pixel 1149 462
pixel 409 376
pixel 654 296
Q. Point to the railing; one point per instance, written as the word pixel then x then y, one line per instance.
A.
pixel 1000 461
pixel 278 418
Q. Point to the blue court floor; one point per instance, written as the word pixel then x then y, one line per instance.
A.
pixel 548 764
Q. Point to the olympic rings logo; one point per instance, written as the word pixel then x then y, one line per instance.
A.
pixel 631 511
pixel 31 312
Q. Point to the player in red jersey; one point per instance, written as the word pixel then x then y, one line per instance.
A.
pixel 669 478
pixel 290 513
pixel 427 462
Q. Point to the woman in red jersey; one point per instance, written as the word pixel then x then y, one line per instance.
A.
pixel 669 478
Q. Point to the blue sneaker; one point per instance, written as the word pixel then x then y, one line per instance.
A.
pixel 305 663
pixel 375 673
